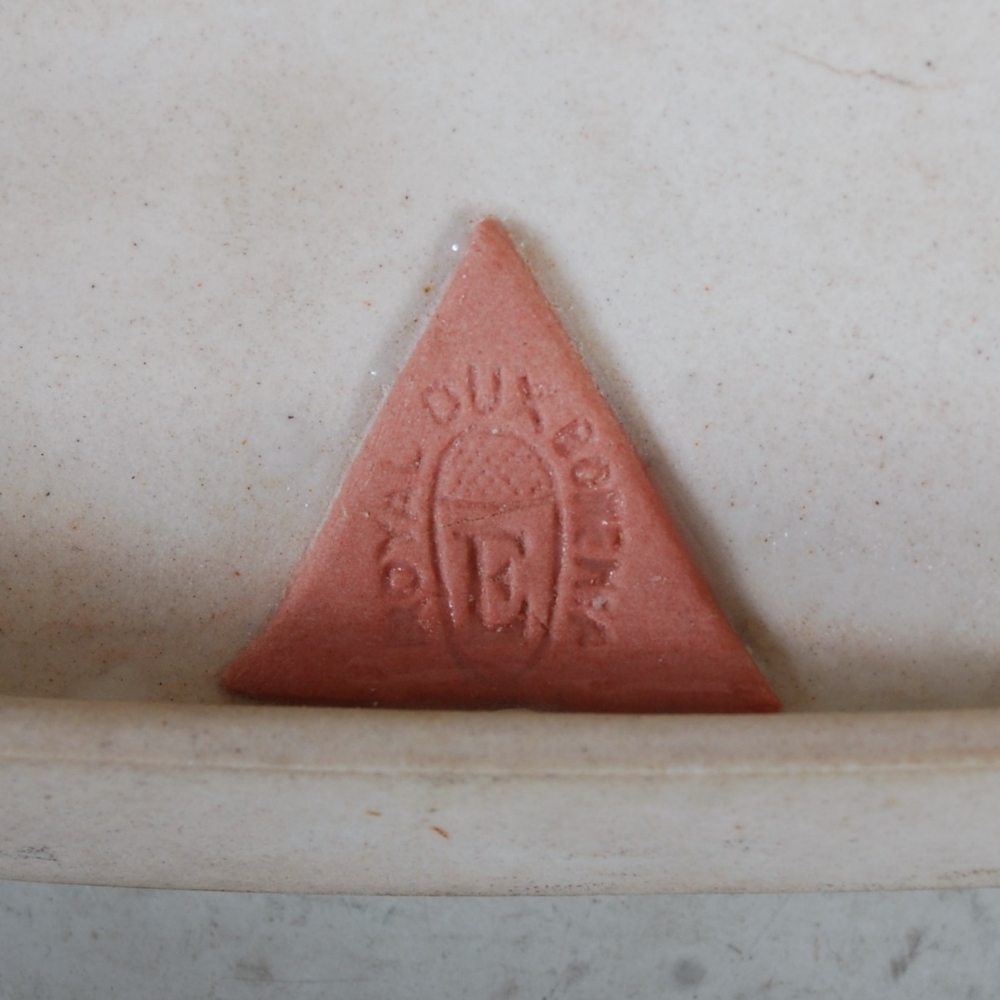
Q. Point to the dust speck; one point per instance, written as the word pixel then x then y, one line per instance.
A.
pixel 689 972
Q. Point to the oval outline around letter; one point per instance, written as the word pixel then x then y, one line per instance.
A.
pixel 497 529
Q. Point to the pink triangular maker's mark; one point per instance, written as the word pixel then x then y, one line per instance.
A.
pixel 497 541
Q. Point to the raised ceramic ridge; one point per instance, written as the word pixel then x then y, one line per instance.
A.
pixel 372 801
pixel 508 743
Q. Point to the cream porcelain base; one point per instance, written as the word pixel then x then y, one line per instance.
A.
pixel 772 231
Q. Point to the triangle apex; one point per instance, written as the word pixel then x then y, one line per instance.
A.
pixel 491 233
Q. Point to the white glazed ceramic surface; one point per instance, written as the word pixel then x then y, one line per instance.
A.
pixel 773 230
pixel 321 800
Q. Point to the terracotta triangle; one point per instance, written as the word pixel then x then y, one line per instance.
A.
pixel 497 541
